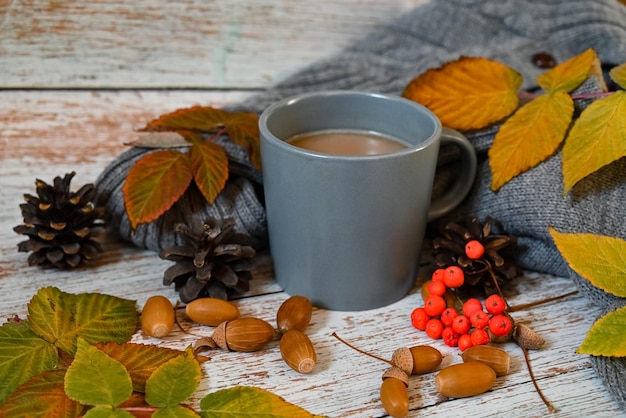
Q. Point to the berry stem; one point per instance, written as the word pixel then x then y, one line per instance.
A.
pixel 495 283
pixel 540 302
pixel 334 334
pixel 551 408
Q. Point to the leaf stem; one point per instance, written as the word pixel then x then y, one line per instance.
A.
pixel 334 334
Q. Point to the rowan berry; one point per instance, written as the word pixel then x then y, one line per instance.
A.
pixel 474 249
pixel 450 337
pixel 437 275
pixel 495 304
pixel 436 288
pixel 419 318
pixel 434 328
pixel 480 337
pixel 472 305
pixel 461 324
pixel 454 277
pixel 479 319
pixel 500 325
pixel 434 305
pixel 465 342
pixel 448 315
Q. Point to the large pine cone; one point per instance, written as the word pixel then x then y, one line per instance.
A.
pixel 214 261
pixel 60 224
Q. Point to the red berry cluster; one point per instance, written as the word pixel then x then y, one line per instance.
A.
pixel 460 329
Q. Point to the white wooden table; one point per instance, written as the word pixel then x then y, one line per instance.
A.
pixel 77 77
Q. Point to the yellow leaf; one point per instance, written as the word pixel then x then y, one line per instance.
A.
pixel 469 93
pixel 597 138
pixel 530 136
pixel 154 184
pixel 607 337
pixel 570 74
pixel 618 74
pixel 597 258
pixel 210 168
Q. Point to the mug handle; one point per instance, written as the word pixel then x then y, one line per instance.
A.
pixel 463 183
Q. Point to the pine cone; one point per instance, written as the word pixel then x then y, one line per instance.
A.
pixel 488 272
pixel 214 261
pixel 61 224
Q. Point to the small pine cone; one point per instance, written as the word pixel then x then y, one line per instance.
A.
pixel 61 224
pixel 213 262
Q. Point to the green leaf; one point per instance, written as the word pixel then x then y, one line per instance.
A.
pixel 249 402
pixel 155 183
pixel 94 378
pixel 103 411
pixel 210 168
pixel 618 74
pixel 141 360
pixel 42 396
pixel 567 76
pixel 184 370
pixel 607 337
pixel 530 136
pixel 597 139
pixel 22 354
pixel 60 318
pixel 176 411
pixel 599 259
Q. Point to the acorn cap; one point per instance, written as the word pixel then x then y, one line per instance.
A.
pixel 219 336
pixel 397 373
pixel 527 338
pixel 403 359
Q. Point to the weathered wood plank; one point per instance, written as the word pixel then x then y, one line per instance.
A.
pixel 190 43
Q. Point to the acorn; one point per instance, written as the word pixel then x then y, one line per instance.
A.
pixel 243 334
pixel 297 351
pixel 394 394
pixel 465 379
pixel 425 359
pixel 494 357
pixel 526 338
pixel 294 313
pixel 157 316
pixel 211 311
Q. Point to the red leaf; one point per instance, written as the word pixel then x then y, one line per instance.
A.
pixel 210 168
pixel 154 184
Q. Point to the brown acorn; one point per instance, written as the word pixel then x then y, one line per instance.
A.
pixel 294 313
pixel 494 357
pixel 394 394
pixel 425 359
pixel 157 316
pixel 211 311
pixel 465 379
pixel 298 351
pixel 243 334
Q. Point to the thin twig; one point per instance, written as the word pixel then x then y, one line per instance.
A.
pixel 540 302
pixel 551 408
pixel 334 334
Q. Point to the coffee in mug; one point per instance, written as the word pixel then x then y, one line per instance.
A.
pixel 347 142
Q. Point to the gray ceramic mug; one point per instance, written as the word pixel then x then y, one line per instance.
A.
pixel 347 231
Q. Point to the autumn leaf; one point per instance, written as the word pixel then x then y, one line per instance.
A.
pixel 599 259
pixel 105 411
pixel 177 411
pixel 184 370
pixel 60 318
pixel 243 129
pixel 42 395
pixel 141 360
pixel 607 337
pixel 22 354
pixel 94 378
pixel 249 402
pixel 209 164
pixel 618 74
pixel 597 139
pixel 155 183
pixel 468 93
pixel 570 74
pixel 530 136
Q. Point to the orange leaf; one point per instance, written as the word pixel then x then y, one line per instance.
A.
pixel 210 168
pixel 469 93
pixel 154 184
pixel 530 136
pixel 570 74
pixel 194 119
pixel 243 129
pixel 597 139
